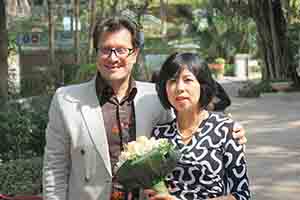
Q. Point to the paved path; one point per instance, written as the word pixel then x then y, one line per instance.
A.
pixel 272 123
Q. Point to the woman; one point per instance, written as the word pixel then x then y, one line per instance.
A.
pixel 211 159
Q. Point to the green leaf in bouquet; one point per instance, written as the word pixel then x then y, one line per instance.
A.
pixel 149 169
pixel 169 162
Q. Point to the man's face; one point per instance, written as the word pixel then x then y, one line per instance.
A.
pixel 116 56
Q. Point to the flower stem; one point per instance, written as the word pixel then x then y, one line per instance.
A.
pixel 160 187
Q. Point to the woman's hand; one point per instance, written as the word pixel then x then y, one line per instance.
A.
pixel 239 133
pixel 152 195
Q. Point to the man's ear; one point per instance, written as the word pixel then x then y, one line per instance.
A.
pixel 137 51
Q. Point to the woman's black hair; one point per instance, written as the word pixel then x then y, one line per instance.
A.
pixel 173 66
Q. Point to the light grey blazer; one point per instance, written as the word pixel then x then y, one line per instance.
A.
pixel 76 161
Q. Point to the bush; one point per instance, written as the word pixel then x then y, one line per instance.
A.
pixel 249 90
pixel 22 128
pixel 252 89
pixel 264 87
pixel 41 80
pixel 70 73
pixel 229 69
pixel 21 177
pixel 220 60
pixel 85 72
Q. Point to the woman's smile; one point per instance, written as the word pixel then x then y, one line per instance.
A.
pixel 181 98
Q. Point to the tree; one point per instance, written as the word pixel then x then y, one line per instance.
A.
pixel 272 29
pixel 18 8
pixel 77 32
pixel 92 19
pixel 271 20
pixel 218 28
pixel 51 23
pixel 3 52
pixel 163 18
pixel 139 8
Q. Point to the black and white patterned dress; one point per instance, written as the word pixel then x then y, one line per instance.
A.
pixel 212 163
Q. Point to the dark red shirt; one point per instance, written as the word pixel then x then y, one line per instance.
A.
pixel 118 116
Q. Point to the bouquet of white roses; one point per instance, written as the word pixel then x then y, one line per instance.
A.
pixel 144 163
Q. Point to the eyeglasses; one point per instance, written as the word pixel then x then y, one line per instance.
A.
pixel 119 52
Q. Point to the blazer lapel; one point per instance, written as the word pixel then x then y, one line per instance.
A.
pixel 141 119
pixel 138 121
pixel 91 112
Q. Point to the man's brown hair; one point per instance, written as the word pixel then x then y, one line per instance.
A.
pixel 113 24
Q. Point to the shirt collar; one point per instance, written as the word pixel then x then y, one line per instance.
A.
pixel 105 92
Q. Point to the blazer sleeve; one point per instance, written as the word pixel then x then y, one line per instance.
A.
pixel 57 155
pixel 166 116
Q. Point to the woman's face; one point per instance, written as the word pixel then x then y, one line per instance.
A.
pixel 184 91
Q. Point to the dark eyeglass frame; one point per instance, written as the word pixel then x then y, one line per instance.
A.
pixel 115 50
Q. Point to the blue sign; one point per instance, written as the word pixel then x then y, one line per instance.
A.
pixel 26 38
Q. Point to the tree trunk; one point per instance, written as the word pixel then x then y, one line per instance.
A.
pixel 163 18
pixel 143 72
pixel 114 7
pixel 3 52
pixel 12 7
pixel 93 12
pixel 51 33
pixel 102 9
pixel 25 8
pixel 77 33
pixel 272 29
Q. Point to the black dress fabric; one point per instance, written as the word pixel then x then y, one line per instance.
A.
pixel 212 163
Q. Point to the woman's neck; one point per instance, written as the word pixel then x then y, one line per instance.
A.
pixel 189 121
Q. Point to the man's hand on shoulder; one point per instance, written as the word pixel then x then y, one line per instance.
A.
pixel 239 133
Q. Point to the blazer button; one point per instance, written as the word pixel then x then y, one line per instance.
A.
pixel 86 179
pixel 82 151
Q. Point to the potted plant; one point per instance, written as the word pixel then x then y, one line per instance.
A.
pixel 218 67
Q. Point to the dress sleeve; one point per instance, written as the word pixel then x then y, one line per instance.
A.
pixel 236 175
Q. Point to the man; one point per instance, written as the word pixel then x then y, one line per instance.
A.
pixel 89 123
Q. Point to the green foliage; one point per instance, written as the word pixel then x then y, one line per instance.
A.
pixel 264 86
pixel 85 72
pixel 70 72
pixel 12 45
pixel 21 176
pixel 226 32
pixel 220 60
pixel 293 53
pixel 22 128
pixel 251 89
pixel 229 69
pixel 44 83
pixel 156 45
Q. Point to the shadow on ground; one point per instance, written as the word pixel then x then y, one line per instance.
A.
pixel 272 122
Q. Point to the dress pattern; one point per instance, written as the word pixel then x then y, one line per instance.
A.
pixel 212 163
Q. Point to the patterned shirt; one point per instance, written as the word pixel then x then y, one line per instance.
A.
pixel 211 163
pixel 119 122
